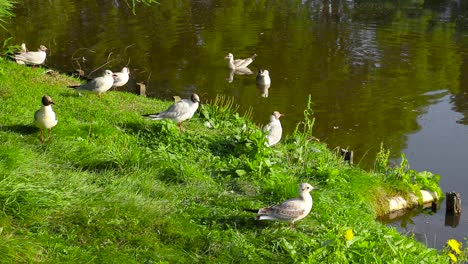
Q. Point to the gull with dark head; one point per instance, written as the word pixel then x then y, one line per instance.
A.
pixel 121 78
pixel 290 210
pixel 180 111
pixel 239 63
pixel 274 129
pixel 44 118
pixel 31 57
pixel 98 85
pixel 263 77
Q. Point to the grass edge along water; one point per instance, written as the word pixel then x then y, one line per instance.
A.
pixel 110 186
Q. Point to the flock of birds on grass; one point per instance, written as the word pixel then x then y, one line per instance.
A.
pixel 45 119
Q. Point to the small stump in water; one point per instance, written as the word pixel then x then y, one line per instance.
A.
pixel 453 210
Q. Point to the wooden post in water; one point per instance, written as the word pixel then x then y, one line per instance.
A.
pixel 141 89
pixel 347 155
pixel 453 209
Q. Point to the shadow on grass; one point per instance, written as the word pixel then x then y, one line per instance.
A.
pixel 20 129
pixel 133 128
pixel 239 222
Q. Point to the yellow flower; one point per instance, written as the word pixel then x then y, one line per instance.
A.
pixel 452 257
pixel 348 234
pixel 454 245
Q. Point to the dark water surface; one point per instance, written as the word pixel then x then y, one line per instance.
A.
pixel 377 71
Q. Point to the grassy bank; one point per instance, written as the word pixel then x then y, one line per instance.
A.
pixel 113 187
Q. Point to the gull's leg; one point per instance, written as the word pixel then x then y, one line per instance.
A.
pixel 42 136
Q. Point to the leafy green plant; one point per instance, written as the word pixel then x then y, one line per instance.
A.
pixel 5 10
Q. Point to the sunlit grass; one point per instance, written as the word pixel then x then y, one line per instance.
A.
pixel 110 185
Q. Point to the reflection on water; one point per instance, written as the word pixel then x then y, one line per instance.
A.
pixel 369 66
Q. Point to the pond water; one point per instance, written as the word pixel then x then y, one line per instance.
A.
pixel 390 72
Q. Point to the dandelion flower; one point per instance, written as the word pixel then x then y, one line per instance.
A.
pixel 452 257
pixel 348 234
pixel 454 245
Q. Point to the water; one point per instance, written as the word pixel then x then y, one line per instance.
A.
pixel 376 71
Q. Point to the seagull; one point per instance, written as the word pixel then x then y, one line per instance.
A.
pixel 44 118
pixel 239 63
pixel 274 129
pixel 121 78
pixel 263 77
pixel 290 210
pixel 31 57
pixel 23 48
pixel 98 85
pixel 179 111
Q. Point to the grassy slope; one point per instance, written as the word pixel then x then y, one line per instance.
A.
pixel 113 187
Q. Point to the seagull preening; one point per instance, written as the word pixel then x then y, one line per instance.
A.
pixel 239 63
pixel 179 111
pixel 274 129
pixel 98 85
pixel 31 57
pixel 290 210
pixel 121 78
pixel 44 118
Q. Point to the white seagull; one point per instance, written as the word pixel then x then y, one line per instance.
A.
pixel 44 118
pixel 274 129
pixel 290 210
pixel 121 78
pixel 31 57
pixel 239 63
pixel 179 111
pixel 98 85
pixel 23 48
pixel 263 77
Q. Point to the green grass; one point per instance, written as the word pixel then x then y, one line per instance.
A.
pixel 113 187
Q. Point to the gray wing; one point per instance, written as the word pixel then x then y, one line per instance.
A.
pixel 267 128
pixel 32 57
pixel 180 108
pixel 289 210
pixel 91 85
pixel 243 62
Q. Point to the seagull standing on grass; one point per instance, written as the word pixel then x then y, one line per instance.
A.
pixel 98 85
pixel 179 111
pixel 44 118
pixel 239 63
pixel 31 57
pixel 121 78
pixel 290 210
pixel 274 129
